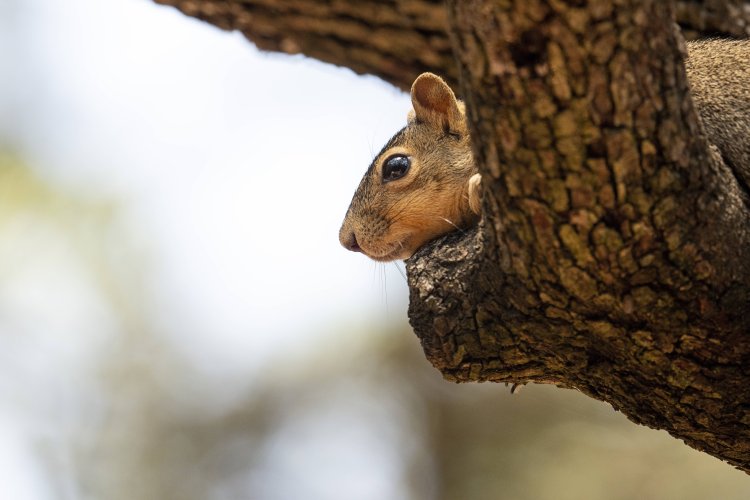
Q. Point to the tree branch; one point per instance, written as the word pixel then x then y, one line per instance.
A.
pixel 395 39
pixel 613 258
pixel 613 255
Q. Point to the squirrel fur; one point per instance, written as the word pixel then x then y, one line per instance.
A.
pixel 424 182
pixel 719 75
pixel 392 215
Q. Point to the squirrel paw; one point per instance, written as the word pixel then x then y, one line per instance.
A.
pixel 475 193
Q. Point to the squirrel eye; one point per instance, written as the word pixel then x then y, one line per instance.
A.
pixel 395 167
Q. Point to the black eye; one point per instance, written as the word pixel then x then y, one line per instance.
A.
pixel 395 167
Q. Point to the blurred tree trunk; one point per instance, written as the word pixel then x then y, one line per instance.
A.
pixel 613 255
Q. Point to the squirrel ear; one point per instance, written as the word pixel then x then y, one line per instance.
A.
pixel 435 103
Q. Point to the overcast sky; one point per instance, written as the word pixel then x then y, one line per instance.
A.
pixel 232 168
pixel 237 166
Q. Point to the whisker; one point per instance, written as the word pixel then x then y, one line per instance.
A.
pixel 385 287
pixel 400 271
pixel 451 223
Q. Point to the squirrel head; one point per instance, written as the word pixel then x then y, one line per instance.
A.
pixel 416 187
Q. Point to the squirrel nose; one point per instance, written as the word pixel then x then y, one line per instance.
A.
pixel 351 243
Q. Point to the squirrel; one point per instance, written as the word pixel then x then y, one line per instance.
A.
pixel 424 182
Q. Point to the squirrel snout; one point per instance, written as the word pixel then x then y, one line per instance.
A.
pixel 349 241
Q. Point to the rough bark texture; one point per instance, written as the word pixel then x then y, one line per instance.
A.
pixel 395 39
pixel 613 254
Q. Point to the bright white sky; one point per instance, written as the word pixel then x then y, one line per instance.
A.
pixel 234 169
pixel 238 165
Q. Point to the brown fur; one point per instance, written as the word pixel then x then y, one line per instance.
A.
pixel 391 220
pixel 441 191
pixel 719 76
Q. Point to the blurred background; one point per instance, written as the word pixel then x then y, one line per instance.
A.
pixel 178 320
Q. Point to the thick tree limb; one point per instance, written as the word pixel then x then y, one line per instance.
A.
pixel 613 256
pixel 394 39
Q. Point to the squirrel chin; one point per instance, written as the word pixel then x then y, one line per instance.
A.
pixel 397 251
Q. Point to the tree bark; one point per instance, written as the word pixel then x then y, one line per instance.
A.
pixel 396 39
pixel 613 252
